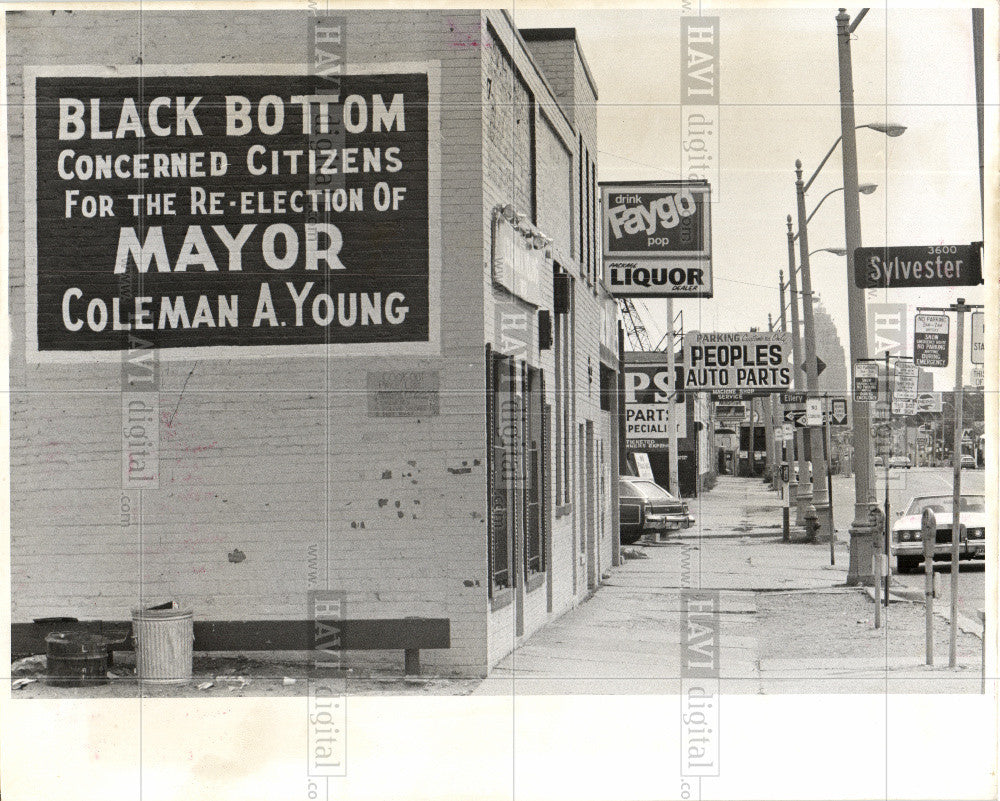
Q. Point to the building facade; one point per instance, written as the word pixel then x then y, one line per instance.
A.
pixel 373 358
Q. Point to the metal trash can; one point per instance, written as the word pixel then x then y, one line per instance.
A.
pixel 164 645
pixel 75 659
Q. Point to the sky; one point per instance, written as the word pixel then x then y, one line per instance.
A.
pixel 780 101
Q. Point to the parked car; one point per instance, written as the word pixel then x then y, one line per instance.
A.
pixel 907 544
pixel 879 461
pixel 646 508
pixel 900 461
pixel 968 461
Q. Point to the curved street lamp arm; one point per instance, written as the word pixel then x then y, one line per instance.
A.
pixel 829 152
pixel 831 192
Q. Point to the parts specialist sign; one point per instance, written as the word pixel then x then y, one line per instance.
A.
pixel 744 359
pixel 657 239
pixel 651 405
pixel 257 208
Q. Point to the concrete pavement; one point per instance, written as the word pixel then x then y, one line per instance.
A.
pixel 787 622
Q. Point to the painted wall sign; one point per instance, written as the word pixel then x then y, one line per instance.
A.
pixel 217 209
pixel 650 406
pixel 657 239
pixel 752 359
pixel 917 266
pixel 404 393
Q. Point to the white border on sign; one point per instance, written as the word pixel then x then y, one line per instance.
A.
pixel 432 347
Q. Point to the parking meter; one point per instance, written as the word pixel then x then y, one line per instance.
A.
pixel 928 534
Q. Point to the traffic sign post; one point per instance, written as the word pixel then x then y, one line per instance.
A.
pixel 930 340
pixel 928 535
pixel 960 307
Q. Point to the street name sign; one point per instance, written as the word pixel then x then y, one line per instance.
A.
pixel 905 386
pixel 866 381
pixel 657 239
pixel 795 398
pixel 910 266
pixel 978 340
pixel 759 360
pixel 930 340
pixel 838 411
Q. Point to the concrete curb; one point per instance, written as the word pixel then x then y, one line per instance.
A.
pixel 965 623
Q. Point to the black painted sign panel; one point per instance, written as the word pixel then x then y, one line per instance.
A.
pixel 231 210
pixel 918 266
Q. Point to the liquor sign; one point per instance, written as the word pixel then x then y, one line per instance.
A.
pixel 920 266
pixel 905 385
pixel 657 238
pixel 651 406
pixel 978 339
pixel 866 381
pixel 930 340
pixel 215 210
pixel 759 360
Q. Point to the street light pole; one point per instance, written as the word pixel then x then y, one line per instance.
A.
pixel 862 533
pixel 821 500
pixel 803 489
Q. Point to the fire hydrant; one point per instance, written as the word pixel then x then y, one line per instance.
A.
pixel 811 521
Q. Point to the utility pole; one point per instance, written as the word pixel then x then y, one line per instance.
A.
pixel 803 490
pixel 820 500
pixel 675 488
pixel 960 308
pixel 859 569
pixel 769 434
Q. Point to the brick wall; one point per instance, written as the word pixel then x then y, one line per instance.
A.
pixel 271 458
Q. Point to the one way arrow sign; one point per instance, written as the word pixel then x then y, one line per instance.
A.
pixel 838 411
pixel 796 417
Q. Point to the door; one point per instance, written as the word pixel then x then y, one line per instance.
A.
pixel 590 514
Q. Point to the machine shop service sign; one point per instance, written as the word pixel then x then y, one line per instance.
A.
pixel 227 209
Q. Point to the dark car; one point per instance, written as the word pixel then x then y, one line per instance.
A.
pixel 647 508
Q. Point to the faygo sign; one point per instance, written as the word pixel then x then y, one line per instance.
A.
pixel 657 238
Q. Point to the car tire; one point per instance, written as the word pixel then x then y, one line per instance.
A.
pixel 630 538
pixel 907 564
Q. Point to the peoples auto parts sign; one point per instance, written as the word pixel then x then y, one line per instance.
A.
pixel 239 210
pixel 657 239
pixel 760 360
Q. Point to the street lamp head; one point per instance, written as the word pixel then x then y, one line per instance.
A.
pixel 889 129
pixel 836 251
pixel 867 189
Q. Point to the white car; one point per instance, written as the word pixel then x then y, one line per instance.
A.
pixel 907 545
pixel 900 461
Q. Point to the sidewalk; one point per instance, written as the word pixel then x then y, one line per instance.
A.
pixel 787 620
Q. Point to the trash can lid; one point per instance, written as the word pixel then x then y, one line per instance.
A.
pixel 75 643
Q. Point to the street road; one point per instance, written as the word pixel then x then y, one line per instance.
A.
pixel 903 485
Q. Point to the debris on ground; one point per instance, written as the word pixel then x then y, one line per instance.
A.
pixel 17 684
pixel 30 664
pixel 286 681
pixel 205 685
pixel 634 553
